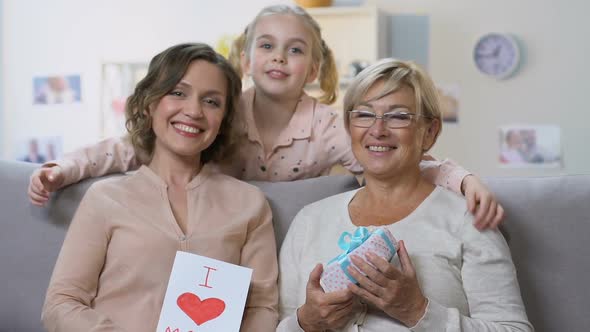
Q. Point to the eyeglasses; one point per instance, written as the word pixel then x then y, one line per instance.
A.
pixel 393 120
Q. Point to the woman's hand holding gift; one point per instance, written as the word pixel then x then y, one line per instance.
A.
pixel 396 292
pixel 321 310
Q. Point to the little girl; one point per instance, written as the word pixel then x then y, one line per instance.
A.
pixel 281 133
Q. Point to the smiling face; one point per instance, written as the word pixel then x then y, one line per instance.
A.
pixel 187 119
pixel 280 57
pixel 385 152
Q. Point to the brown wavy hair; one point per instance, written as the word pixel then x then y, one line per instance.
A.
pixel 165 71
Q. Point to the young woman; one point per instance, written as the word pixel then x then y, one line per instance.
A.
pixel 115 262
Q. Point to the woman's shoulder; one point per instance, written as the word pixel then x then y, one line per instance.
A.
pixel 112 183
pixel 230 185
pixel 443 196
pixel 111 188
pixel 448 208
pixel 233 196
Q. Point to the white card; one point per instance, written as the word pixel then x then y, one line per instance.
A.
pixel 204 294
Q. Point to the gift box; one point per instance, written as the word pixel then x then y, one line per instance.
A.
pixel 380 242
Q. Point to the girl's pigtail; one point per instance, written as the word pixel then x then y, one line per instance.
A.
pixel 235 53
pixel 328 76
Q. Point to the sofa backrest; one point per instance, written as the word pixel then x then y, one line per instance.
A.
pixel 547 226
pixel 547 229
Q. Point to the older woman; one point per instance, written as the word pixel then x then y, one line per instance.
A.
pixel 113 268
pixel 451 277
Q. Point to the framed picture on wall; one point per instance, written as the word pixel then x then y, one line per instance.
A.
pixel 59 89
pixel 449 101
pixel 38 149
pixel 530 146
pixel 118 82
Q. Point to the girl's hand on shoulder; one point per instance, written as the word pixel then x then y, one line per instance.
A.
pixel 44 181
pixel 482 203
pixel 322 311
pixel 396 292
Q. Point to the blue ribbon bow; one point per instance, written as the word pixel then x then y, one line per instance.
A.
pixel 354 241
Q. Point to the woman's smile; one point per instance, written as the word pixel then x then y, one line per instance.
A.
pixel 380 148
pixel 186 129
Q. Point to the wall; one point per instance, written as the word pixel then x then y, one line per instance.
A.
pixel 45 38
pixel 68 36
pixel 550 87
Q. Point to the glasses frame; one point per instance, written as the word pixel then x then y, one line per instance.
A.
pixel 383 118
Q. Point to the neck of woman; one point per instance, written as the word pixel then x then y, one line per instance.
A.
pixel 175 170
pixel 385 200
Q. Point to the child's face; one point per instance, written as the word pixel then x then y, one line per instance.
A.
pixel 280 59
pixel 187 119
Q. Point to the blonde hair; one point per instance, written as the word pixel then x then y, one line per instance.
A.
pixel 395 74
pixel 320 52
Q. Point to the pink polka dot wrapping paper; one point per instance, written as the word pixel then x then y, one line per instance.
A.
pixel 380 242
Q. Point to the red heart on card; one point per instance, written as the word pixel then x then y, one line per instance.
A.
pixel 200 311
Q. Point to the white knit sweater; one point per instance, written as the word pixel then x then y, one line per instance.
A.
pixel 467 275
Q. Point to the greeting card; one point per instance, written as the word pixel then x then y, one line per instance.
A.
pixel 204 294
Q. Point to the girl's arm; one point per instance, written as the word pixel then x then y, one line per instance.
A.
pixel 108 156
pixel 445 173
pixel 74 282
pixel 481 201
pixel 260 254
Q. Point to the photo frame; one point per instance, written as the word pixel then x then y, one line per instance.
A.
pixel 58 89
pixel 530 146
pixel 118 82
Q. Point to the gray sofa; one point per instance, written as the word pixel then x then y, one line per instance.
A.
pixel 548 230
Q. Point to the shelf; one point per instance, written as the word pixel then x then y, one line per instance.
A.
pixel 353 34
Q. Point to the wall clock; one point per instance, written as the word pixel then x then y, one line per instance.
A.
pixel 497 55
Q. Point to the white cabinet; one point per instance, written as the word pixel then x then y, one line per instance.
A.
pixel 353 34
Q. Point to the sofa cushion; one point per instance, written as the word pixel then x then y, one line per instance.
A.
pixel 547 228
pixel 29 243
pixel 30 240
pixel 287 198
pixel 548 221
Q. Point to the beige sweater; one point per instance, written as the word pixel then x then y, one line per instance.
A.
pixel 114 266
